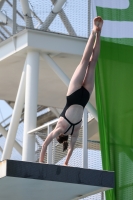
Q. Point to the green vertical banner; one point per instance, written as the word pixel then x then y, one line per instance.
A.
pixel 114 93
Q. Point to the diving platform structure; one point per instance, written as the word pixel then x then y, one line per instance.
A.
pixel 36 66
pixel 59 55
pixel 50 59
pixel 43 61
pixel 26 180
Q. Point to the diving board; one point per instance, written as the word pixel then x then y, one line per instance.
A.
pixel 26 180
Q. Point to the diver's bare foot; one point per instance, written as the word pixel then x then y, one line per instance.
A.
pixel 97 24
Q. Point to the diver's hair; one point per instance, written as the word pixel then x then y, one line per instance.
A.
pixel 63 139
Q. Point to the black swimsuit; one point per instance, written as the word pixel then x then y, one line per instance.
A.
pixel 79 97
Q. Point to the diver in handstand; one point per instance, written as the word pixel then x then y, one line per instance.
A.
pixel 78 94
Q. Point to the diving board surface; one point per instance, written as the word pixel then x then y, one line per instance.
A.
pixel 26 180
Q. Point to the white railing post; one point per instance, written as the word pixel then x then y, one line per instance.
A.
pixel 14 28
pixel 49 148
pixel 85 138
pixel 53 151
pixel 31 96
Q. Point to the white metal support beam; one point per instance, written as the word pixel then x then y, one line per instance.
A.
pixel 92 110
pixel 27 13
pixel 31 96
pixel 35 15
pixel 14 30
pixel 19 104
pixel 66 81
pixel 89 17
pixel 54 110
pixel 66 22
pixel 56 69
pixel 85 139
pixel 16 10
pixel 3 35
pixel 48 21
pixel 49 148
pixel 2 3
pixel 57 8
pixel 16 145
pixel 5 29
pixel 7 21
pixel 1 149
pixel 1 39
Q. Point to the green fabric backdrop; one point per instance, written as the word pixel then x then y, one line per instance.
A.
pixel 114 99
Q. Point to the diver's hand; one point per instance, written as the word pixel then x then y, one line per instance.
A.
pixel 65 164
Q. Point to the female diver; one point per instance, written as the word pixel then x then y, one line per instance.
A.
pixel 78 94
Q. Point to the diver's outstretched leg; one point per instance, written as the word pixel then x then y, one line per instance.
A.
pixel 90 72
pixel 80 72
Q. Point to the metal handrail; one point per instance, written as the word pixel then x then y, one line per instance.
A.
pixel 53 122
pixel 43 126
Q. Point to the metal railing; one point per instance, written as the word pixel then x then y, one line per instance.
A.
pixel 54 16
pixel 55 154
